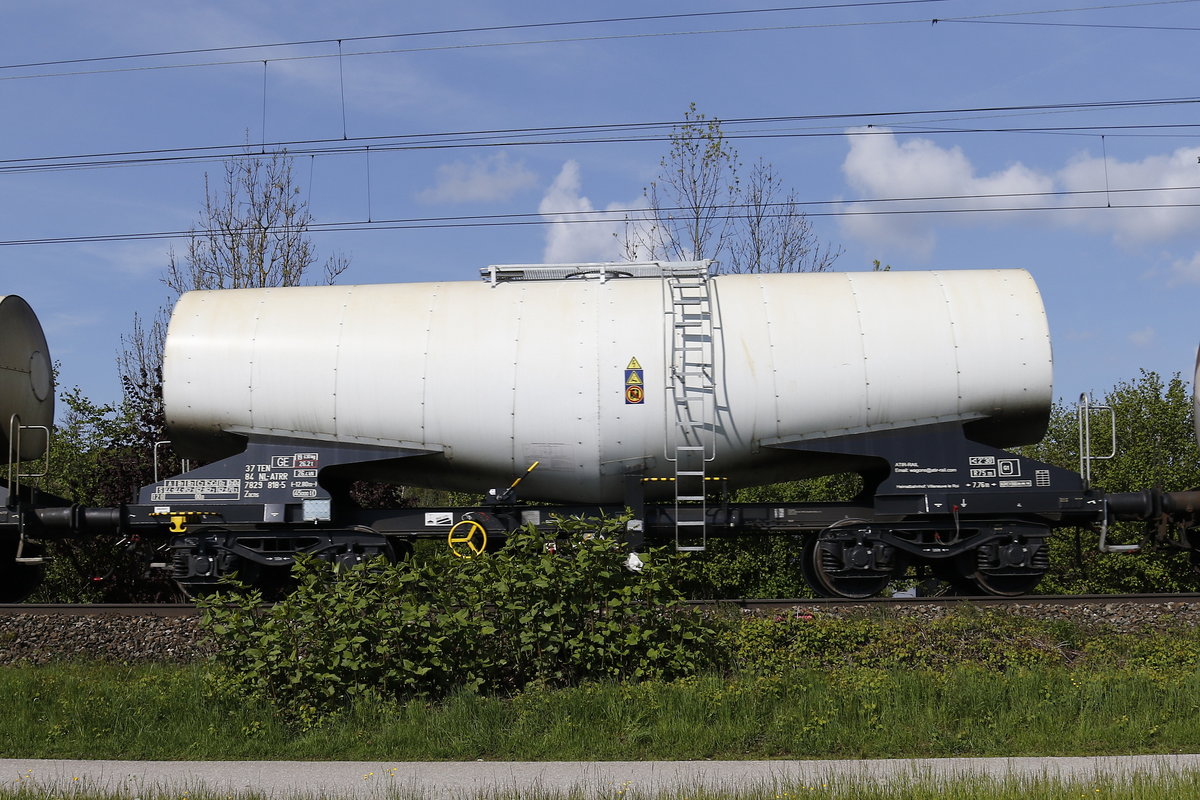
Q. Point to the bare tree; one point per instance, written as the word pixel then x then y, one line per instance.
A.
pixel 252 232
pixel 697 182
pixel 699 207
pixel 774 234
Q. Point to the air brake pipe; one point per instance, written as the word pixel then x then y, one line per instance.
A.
pixel 77 519
pixel 1151 504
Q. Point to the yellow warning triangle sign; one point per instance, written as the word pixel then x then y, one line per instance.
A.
pixel 633 364
pixel 633 378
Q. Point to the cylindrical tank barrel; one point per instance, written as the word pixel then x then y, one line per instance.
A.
pixel 26 380
pixel 490 378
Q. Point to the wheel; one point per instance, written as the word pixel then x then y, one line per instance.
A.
pixel 992 570
pixel 825 571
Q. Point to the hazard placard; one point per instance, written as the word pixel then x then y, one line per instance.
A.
pixel 635 379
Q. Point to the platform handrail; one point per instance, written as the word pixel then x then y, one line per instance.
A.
pixel 184 463
pixel 1084 411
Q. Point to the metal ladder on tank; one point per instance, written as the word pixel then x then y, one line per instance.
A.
pixel 691 398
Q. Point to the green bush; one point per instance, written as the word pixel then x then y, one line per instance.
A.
pixel 495 624
pixel 983 639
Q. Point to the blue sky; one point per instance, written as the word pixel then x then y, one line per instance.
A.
pixel 890 103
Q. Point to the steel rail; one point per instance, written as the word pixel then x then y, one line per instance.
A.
pixel 952 600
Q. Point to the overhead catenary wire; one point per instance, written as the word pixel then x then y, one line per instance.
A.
pixel 624 132
pixel 1098 25
pixel 578 39
pixel 620 133
pixel 476 29
pixel 841 208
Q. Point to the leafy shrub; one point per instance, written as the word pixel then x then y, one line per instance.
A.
pixel 495 623
pixel 746 565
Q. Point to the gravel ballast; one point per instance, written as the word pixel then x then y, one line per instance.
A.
pixel 126 638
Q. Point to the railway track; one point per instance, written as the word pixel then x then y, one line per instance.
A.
pixel 952 600
pixel 189 610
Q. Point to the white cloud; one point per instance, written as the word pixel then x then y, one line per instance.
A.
pixel 880 166
pixel 483 180
pixel 1142 337
pixel 570 240
pixel 1154 219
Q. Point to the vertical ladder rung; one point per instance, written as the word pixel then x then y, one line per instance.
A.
pixel 692 388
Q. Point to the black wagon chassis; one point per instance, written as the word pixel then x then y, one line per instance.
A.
pixel 974 515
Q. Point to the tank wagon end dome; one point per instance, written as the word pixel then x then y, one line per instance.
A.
pixel 26 377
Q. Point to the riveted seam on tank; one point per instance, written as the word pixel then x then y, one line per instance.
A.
pixel 512 405
pixel 954 343
pixel 862 340
pixel 337 352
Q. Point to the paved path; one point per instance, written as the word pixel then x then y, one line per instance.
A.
pixel 452 779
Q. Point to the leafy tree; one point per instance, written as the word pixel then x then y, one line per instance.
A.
pixel 1156 448
pixel 96 459
pixel 700 207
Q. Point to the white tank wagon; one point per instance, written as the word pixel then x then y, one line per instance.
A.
pixel 487 378
pixel 622 383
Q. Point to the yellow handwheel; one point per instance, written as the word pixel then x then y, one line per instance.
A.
pixel 468 539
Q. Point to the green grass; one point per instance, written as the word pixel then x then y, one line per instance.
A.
pixel 170 712
pixel 1131 787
